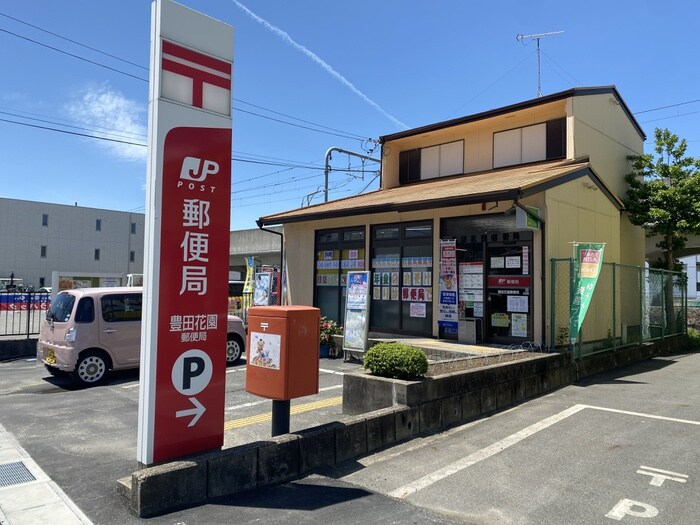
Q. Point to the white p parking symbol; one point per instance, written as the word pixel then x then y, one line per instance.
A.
pixel 192 372
pixel 628 507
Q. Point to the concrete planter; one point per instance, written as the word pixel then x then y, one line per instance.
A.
pixel 496 386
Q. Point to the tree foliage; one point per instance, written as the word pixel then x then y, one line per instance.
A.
pixel 663 194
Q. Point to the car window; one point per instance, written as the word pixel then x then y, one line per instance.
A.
pixel 235 289
pixel 85 313
pixel 118 308
pixel 61 308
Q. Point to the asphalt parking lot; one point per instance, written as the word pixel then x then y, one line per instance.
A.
pixel 619 447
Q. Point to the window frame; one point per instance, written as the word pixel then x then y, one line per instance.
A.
pixel 554 137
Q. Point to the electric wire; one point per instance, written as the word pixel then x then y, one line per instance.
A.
pixel 73 41
pixel 334 132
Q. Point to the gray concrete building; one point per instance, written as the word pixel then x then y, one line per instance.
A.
pixel 37 238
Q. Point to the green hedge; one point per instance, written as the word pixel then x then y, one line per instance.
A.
pixel 396 360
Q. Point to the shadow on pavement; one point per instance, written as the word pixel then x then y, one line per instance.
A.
pixel 310 494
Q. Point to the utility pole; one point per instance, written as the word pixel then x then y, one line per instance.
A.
pixel 537 38
pixel 329 154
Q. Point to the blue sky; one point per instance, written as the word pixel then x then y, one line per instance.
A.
pixel 314 74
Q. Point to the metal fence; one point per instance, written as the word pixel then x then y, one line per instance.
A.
pixel 21 313
pixel 630 305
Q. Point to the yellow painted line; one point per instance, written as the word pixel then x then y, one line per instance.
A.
pixel 297 409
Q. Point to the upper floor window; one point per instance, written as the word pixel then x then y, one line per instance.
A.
pixel 543 141
pixel 132 256
pixel 432 162
pixel 133 228
pixel 45 219
pixel 98 225
pixel 43 251
pixel 97 254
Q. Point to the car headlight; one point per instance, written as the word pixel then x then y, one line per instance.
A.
pixel 70 334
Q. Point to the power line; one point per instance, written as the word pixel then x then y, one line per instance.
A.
pixel 338 133
pixel 667 107
pixel 296 118
pixel 141 144
pixel 73 55
pixel 75 133
pixel 83 128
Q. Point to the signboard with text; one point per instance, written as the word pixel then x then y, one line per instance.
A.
pixel 183 376
pixel 447 303
pixel 356 311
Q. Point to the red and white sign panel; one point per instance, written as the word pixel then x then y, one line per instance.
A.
pixel 196 79
pixel 193 301
pixel 183 364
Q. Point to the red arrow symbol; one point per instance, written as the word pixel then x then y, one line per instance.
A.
pixel 197 411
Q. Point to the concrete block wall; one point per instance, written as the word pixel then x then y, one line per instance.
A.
pixel 405 409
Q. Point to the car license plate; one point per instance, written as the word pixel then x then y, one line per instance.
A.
pixel 51 357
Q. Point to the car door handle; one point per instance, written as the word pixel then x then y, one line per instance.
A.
pixel 109 330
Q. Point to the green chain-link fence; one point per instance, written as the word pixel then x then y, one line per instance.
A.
pixel 630 305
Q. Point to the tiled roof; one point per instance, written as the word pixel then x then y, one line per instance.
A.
pixel 488 186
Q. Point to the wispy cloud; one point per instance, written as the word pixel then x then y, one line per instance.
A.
pixel 313 56
pixel 109 114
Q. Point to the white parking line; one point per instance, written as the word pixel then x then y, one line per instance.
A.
pixel 499 446
pixel 326 371
pixel 482 454
pixel 649 416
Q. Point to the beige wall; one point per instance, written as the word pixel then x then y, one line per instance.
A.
pixel 577 213
pixel 603 132
pixel 477 136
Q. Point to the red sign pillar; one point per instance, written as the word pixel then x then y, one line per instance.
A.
pixel 183 367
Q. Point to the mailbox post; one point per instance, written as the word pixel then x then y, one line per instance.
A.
pixel 283 344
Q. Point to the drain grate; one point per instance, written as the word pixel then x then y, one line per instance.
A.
pixel 14 474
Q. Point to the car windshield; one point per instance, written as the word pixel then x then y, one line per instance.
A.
pixel 61 308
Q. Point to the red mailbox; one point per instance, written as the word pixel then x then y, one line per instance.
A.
pixel 283 344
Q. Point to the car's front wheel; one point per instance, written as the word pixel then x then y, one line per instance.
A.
pixel 91 369
pixel 234 348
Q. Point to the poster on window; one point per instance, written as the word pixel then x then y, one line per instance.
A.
pixel 513 261
pixel 519 325
pixel 417 310
pixel 518 303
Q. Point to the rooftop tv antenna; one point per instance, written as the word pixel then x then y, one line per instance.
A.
pixel 537 37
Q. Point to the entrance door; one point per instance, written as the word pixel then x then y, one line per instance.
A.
pixel 509 308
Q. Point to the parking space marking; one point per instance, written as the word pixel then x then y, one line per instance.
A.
pixel 334 372
pixel 499 446
pixel 640 414
pixel 485 453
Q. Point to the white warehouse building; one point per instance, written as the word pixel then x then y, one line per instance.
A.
pixel 37 238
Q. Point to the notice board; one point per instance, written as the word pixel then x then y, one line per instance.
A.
pixel 356 327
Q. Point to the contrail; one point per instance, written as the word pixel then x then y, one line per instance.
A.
pixel 313 56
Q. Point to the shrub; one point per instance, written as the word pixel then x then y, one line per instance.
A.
pixel 693 338
pixel 396 360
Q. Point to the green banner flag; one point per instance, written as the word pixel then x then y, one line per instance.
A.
pixel 588 260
